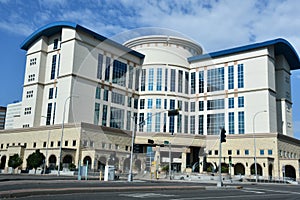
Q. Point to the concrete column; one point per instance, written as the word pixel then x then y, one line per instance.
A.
pixel 183 161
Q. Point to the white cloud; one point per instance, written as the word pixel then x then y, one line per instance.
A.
pixel 214 24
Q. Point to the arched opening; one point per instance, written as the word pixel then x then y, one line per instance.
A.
pixel 210 167
pixel 290 172
pixel 101 163
pixel 270 171
pixel 67 160
pixel 239 169
pixel 87 160
pixel 259 169
pixel 126 165
pixel 52 162
pixel 138 165
pixel 3 162
pixel 224 168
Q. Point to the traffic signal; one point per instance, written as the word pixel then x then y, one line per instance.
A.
pixel 136 148
pixel 223 135
pixel 230 161
pixel 173 112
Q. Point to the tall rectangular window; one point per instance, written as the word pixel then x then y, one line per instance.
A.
pixel 135 103
pixel 201 82
pixel 186 123
pixel 119 73
pixel 104 115
pixel 98 92
pixel 241 123
pixel 215 79
pixel 166 79
pixel 49 111
pixel 172 118
pixel 55 44
pixel 157 122
pixel 141 122
pixel 53 67
pixel 230 77
pixel 107 68
pixel 129 101
pixel 173 80
pixel 165 104
pixel 231 102
pixel 165 123
pixel 241 102
pixel 54 111
pixel 214 122
pixel 158 103
pixel 99 67
pixel 193 82
pixel 201 105
pixel 105 95
pixel 200 125
pixel 240 76
pixel 137 78
pixel 96 113
pixel 130 80
pixel 192 124
pixel 150 104
pixel 179 105
pixel 159 79
pixel 186 83
pixel 193 107
pixel 50 93
pixel 142 103
pixel 143 80
pixel 116 118
pixel 179 123
pixel 180 80
pixel 186 106
pixel 128 122
pixel 150 79
pixel 231 122
pixel 149 122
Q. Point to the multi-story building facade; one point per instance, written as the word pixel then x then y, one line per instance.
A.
pixel 76 76
pixel 13 111
pixel 2 117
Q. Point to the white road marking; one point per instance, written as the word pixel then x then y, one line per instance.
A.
pixel 147 195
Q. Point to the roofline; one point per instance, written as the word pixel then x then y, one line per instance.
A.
pixel 282 47
pixel 57 26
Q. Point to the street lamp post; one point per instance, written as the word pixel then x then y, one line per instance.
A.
pixel 254 140
pixel 131 150
pixel 62 135
pixel 47 147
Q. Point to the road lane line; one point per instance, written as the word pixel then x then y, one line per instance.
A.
pixel 226 197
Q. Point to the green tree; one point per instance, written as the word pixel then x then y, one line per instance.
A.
pixel 35 160
pixel 15 161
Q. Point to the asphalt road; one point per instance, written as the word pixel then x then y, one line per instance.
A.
pixel 40 188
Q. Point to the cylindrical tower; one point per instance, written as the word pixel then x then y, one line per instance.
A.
pixel 165 82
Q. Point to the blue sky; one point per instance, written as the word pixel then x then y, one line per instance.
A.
pixel 215 25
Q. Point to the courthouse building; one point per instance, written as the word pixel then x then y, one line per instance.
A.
pixel 101 90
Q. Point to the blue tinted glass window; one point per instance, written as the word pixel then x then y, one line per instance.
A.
pixel 241 102
pixel 231 102
pixel 150 79
pixel 240 76
pixel 231 122
pixel 230 77
pixel 241 123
